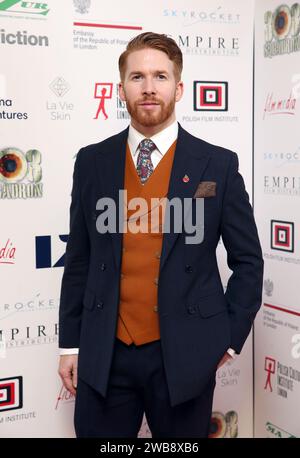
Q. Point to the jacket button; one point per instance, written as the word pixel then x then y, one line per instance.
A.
pixel 122 276
pixel 191 309
pixel 103 266
pixel 100 305
pixel 157 255
pixel 155 308
pixel 188 268
pixel 156 281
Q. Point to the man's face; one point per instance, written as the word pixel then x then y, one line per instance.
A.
pixel 150 89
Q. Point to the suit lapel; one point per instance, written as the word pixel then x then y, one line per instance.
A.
pixel 190 160
pixel 110 169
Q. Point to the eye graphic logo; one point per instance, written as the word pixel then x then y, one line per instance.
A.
pixel 210 96
pixel 11 393
pixel 282 236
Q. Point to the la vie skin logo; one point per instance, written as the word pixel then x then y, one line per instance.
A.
pixel 19 6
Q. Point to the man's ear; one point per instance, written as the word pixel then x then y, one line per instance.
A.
pixel 179 91
pixel 121 92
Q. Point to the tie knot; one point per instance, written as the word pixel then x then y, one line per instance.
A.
pixel 147 145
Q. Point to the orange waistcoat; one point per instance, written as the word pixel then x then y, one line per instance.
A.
pixel 138 319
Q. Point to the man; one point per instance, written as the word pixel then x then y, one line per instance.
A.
pixel 147 310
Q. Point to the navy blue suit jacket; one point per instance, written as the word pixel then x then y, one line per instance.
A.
pixel 198 322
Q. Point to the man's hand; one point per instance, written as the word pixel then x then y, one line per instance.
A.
pixel 224 360
pixel 68 372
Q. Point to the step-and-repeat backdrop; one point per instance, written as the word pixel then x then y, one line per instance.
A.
pixel 277 209
pixel 58 92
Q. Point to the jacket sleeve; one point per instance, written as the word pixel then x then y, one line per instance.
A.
pixel 244 257
pixel 75 267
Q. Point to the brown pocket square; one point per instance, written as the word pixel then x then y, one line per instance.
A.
pixel 206 189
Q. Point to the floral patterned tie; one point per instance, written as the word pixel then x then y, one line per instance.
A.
pixel 144 165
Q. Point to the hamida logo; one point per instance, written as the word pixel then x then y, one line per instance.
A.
pixel 19 6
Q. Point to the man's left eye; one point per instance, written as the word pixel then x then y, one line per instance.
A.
pixel 161 76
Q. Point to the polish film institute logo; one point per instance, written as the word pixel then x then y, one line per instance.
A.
pixel 103 91
pixel 282 236
pixel 11 393
pixel 210 96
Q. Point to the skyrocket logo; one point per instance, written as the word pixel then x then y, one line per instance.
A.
pixel 210 96
pixel 19 6
pixel 282 236
pixel 11 393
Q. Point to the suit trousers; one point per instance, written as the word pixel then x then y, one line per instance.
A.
pixel 137 385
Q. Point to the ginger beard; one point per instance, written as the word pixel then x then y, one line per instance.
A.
pixel 150 118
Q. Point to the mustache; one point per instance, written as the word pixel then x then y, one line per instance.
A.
pixel 149 101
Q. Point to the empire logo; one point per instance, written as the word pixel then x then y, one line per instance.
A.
pixel 19 6
pixel 11 393
pixel 28 336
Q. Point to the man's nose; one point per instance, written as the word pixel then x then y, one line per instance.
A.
pixel 148 86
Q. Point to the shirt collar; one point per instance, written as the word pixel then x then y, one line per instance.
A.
pixel 163 139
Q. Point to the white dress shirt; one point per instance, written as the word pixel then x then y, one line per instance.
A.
pixel 163 140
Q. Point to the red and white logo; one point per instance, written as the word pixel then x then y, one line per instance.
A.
pixel 11 393
pixel 103 91
pixel 270 369
pixel 282 236
pixel 210 96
